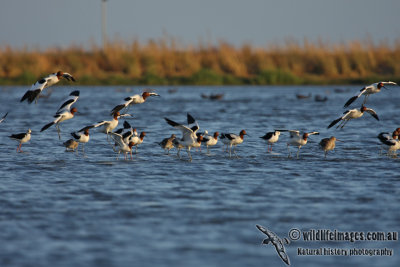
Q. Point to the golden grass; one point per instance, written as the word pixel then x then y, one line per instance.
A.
pixel 167 62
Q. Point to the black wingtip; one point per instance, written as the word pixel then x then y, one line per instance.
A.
pixel 334 122
pixel 351 100
pixel 47 126
pixel 190 119
pixel 127 125
pixel 170 122
pixel 74 93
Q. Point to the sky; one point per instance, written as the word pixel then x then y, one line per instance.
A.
pixel 55 23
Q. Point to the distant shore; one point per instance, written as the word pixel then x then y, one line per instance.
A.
pixel 164 62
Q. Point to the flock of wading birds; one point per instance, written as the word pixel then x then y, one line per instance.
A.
pixel 126 138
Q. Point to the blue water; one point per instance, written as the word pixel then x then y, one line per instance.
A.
pixel 60 208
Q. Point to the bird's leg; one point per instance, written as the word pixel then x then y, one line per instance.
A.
pixel 298 151
pixel 189 155
pixel 135 149
pixel 131 155
pixel 19 147
pixel 344 124
pixel 58 131
pixel 230 151
pixel 234 151
pixel 326 152
pixel 288 150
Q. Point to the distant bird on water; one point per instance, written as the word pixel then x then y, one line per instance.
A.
pixel 328 144
pixel 367 91
pixel 21 138
pixel 33 94
pixel 353 114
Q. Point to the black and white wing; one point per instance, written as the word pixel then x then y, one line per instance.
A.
pixel 127 101
pixel 192 123
pixel 68 76
pixel 372 112
pixel 186 131
pixel 72 98
pixel 294 133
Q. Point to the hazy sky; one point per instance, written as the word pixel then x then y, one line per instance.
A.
pixel 44 23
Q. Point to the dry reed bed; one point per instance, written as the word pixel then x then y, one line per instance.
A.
pixel 166 62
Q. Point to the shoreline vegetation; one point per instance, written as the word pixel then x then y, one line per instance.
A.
pixel 165 62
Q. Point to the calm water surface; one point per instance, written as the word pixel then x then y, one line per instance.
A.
pixel 62 209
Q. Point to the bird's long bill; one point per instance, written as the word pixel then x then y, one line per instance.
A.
pixel 339 140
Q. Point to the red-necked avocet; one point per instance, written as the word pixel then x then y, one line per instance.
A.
pixel 64 112
pixel 137 140
pixel 33 94
pixel 82 136
pixel 389 141
pixel 210 140
pixel 189 138
pixel 353 114
pixel 298 140
pixel 271 138
pixel 233 140
pixel 21 138
pixel 108 126
pixel 133 100
pixel 367 91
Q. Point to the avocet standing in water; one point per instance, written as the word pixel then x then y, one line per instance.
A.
pixel 233 140
pixel 209 140
pixel 297 140
pixel 33 94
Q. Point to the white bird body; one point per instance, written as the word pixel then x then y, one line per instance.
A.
pixel 82 136
pixel 21 138
pixel 33 94
pixel 390 142
pixel 369 90
pixel 108 126
pixel 137 140
pixel 298 140
pixel 353 114
pixel 210 140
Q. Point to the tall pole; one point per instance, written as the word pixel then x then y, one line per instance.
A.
pixel 103 24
